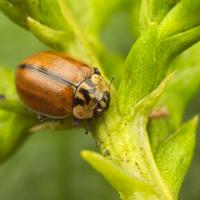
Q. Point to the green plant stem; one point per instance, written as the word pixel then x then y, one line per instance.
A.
pixel 79 33
pixel 125 142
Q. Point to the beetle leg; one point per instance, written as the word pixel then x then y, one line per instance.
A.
pixel 76 122
pixel 89 126
pixel 41 118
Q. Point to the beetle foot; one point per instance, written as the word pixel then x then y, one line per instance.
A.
pixel 41 118
pixel 76 122
pixel 89 126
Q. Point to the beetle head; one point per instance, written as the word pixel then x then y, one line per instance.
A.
pixel 92 97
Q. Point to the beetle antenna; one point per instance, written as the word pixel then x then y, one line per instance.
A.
pixel 111 82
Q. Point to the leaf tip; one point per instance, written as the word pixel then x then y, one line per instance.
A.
pixel 30 19
pixel 85 154
pixel 90 156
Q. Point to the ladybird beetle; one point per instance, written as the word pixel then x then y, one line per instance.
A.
pixel 55 85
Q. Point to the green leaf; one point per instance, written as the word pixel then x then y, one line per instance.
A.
pixel 184 16
pixel 15 123
pixel 53 23
pixel 93 14
pixel 14 106
pixel 13 131
pixel 46 12
pixel 141 74
pixel 126 184
pixel 49 36
pixel 151 55
pixel 145 105
pixel 80 39
pixel 14 11
pixel 160 8
pixel 134 14
pixel 189 79
pixel 188 76
pixel 154 11
pixel 181 41
pixel 172 16
pixel 144 21
pixel 175 154
pixel 10 101
pixel 7 86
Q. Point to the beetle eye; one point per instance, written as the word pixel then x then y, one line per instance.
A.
pixel 106 99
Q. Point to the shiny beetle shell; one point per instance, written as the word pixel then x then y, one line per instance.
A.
pixel 55 85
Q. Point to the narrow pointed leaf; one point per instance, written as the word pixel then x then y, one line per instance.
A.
pixel 123 182
pixel 184 16
pixel 188 76
pixel 14 12
pixel 50 36
pixel 160 8
pixel 175 154
pixel 145 105
pixel 181 40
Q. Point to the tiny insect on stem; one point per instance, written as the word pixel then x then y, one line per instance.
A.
pixel 159 113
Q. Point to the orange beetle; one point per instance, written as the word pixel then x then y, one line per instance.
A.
pixel 55 85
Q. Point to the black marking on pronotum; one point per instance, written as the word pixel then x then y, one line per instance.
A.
pixel 2 97
pixel 79 101
pixel 86 95
pixel 46 72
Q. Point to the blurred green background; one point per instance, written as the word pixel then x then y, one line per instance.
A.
pixel 48 165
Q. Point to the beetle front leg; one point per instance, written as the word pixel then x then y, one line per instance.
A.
pixel 76 122
pixel 41 117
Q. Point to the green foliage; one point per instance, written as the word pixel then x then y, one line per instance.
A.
pixel 12 114
pixel 140 161
pixel 188 76
pixel 126 184
pixel 174 155
pixel 151 55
